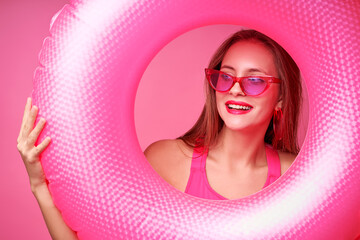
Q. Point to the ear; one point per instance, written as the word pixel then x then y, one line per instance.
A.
pixel 279 104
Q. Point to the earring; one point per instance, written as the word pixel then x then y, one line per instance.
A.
pixel 278 126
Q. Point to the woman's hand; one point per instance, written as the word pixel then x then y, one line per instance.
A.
pixel 31 157
pixel 26 146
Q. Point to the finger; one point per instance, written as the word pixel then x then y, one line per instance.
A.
pixel 29 124
pixel 25 116
pixel 33 136
pixel 42 146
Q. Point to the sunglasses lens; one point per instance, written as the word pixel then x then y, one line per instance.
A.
pixel 220 81
pixel 253 85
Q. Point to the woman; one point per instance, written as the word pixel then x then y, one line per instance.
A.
pixel 243 141
pixel 234 125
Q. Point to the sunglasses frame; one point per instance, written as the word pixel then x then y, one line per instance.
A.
pixel 268 80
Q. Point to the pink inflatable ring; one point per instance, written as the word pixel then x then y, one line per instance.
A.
pixel 85 87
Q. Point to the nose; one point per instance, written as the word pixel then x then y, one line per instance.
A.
pixel 236 90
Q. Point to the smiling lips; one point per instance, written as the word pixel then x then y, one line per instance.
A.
pixel 234 107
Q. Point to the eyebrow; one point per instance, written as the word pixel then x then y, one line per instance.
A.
pixel 249 70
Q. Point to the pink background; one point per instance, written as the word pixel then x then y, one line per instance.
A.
pixel 160 112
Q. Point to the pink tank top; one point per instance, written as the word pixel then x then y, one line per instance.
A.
pixel 199 186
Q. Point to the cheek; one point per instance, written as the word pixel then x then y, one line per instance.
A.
pixel 272 95
pixel 220 101
pixel 220 105
pixel 269 101
pixel 267 106
pixel 218 98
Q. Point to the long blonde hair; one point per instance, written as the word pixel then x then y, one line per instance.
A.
pixel 206 130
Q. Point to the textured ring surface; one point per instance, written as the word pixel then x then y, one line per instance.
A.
pixel 97 173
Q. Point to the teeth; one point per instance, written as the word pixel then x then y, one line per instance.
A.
pixel 239 107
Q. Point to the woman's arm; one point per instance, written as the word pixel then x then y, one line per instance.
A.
pixel 31 158
pixel 52 216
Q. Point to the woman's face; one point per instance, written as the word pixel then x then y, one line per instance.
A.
pixel 246 58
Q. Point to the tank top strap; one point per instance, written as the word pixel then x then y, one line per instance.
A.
pixel 198 184
pixel 274 166
pixel 198 159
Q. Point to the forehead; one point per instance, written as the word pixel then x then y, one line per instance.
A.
pixel 249 54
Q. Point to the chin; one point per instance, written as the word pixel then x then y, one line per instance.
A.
pixel 236 125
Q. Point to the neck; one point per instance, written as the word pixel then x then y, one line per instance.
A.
pixel 245 148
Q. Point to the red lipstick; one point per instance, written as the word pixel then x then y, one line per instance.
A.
pixel 235 107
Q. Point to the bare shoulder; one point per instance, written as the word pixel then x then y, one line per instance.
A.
pixel 286 159
pixel 171 159
pixel 163 149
